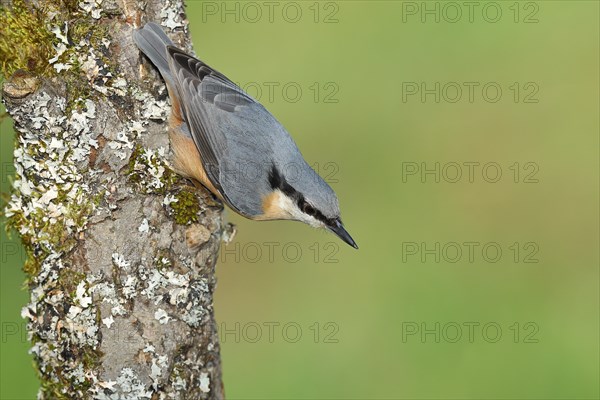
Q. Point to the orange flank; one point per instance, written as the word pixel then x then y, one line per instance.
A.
pixel 187 159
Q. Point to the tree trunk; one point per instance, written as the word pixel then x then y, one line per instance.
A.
pixel 121 250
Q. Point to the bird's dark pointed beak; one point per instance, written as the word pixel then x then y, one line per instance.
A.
pixel 337 228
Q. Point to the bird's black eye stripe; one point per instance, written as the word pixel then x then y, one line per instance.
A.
pixel 277 181
pixel 313 212
pixel 274 178
pixel 307 209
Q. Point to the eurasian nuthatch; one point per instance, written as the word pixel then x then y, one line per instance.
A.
pixel 215 129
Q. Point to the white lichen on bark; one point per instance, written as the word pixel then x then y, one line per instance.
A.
pixel 122 250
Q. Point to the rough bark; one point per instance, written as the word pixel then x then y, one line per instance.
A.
pixel 122 251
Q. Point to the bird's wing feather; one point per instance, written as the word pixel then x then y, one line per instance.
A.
pixel 233 132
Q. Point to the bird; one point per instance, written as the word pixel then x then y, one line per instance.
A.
pixel 228 141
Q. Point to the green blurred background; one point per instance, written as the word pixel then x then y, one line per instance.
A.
pixel 362 313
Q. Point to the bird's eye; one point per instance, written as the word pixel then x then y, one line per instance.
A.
pixel 308 209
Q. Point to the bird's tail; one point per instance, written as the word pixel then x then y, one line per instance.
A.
pixel 153 41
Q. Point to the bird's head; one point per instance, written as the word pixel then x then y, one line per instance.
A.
pixel 304 197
